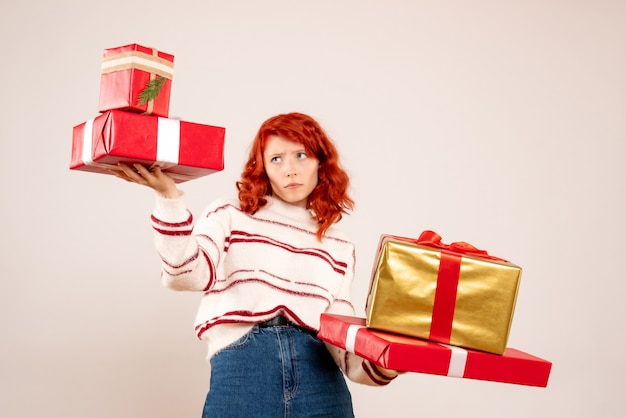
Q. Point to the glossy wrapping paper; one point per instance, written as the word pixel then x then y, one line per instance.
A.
pixel 453 294
pixel 184 150
pixel 403 353
pixel 126 71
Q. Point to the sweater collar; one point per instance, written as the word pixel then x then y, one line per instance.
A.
pixel 288 210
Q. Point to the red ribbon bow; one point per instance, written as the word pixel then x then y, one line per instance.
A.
pixel 432 239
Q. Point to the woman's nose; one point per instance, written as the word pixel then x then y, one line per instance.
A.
pixel 289 168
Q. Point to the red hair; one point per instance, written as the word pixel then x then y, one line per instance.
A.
pixel 329 200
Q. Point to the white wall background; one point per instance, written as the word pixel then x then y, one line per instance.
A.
pixel 500 123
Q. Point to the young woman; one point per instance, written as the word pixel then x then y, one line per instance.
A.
pixel 268 264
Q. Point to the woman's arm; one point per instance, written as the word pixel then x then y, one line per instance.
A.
pixel 185 263
pixel 360 370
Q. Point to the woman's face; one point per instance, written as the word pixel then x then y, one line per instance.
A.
pixel 292 172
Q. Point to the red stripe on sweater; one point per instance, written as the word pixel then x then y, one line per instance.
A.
pixel 314 285
pixel 320 251
pixel 262 220
pixel 251 318
pixel 265 282
pixel 209 239
pixel 337 266
pixel 172 233
pixel 161 222
pixel 211 270
pixel 184 263
pixel 375 375
pixel 286 280
pixel 189 260
pixel 257 219
pixel 180 273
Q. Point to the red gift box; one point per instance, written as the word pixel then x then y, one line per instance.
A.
pixel 184 150
pixel 126 72
pixel 403 353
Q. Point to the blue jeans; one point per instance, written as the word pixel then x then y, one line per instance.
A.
pixel 275 372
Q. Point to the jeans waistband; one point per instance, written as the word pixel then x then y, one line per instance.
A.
pixel 282 321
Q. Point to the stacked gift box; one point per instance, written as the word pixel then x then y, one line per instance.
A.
pixel 134 124
pixel 438 308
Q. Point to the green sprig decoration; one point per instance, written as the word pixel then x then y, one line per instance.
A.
pixel 152 90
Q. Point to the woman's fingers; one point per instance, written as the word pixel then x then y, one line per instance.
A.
pixel 142 171
pixel 153 178
pixel 136 174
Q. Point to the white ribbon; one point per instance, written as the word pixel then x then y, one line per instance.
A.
pixel 458 360
pixel 351 337
pixel 168 142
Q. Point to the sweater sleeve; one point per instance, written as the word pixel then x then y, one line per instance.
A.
pixel 188 253
pixel 360 370
pixel 356 368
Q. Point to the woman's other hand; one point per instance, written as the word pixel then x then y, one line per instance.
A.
pixel 157 180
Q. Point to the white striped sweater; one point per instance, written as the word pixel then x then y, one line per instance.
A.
pixel 252 267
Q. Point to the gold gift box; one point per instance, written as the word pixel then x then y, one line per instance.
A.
pixel 476 309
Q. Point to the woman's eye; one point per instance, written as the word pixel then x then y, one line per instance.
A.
pixel 275 159
pixel 302 155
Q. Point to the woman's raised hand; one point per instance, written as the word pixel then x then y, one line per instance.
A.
pixel 157 180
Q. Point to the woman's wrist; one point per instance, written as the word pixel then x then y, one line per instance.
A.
pixel 170 193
